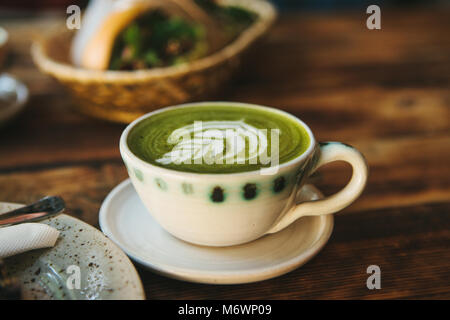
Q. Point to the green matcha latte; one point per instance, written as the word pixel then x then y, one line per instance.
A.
pixel 217 138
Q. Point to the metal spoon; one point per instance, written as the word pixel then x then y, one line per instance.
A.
pixel 45 208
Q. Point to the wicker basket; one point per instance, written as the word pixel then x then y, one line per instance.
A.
pixel 122 96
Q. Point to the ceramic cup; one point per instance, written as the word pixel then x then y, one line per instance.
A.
pixel 218 210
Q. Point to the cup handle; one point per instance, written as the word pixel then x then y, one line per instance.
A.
pixel 330 152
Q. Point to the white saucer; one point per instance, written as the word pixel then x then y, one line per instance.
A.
pixel 125 220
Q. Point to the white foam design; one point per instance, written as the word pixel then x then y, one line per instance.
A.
pixel 216 142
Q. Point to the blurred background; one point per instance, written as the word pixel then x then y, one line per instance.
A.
pixel 9 7
pixel 384 91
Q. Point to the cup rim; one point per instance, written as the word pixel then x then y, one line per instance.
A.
pixel 124 149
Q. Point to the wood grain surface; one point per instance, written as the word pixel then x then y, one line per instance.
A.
pixel 386 92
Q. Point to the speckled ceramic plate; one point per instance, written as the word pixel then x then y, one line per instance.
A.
pixel 124 219
pixel 13 97
pixel 105 271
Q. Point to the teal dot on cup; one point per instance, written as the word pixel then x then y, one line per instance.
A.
pixel 250 191
pixel 279 184
pixel 161 184
pixel 187 188
pixel 138 174
pixel 217 195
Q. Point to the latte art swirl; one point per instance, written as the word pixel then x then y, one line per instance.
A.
pixel 217 142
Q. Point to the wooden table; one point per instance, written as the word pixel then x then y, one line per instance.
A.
pixel 385 92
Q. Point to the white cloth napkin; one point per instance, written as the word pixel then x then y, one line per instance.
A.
pixel 25 237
